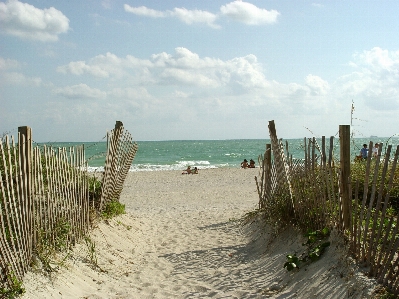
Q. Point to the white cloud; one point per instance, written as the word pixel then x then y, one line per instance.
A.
pixel 379 59
pixel 6 64
pixel 317 85
pixel 374 80
pixel 183 81
pixel 144 11
pixel 28 22
pixel 136 62
pixel 102 66
pixel 182 76
pixel 186 16
pixel 246 72
pixel 244 12
pixel 248 13
pixel 15 78
pixel 75 67
pixel 183 66
pixel 167 86
pixel 195 16
pixel 80 91
pixel 184 58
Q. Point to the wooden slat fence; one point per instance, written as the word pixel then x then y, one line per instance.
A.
pixel 317 201
pixel 375 237
pixel 120 153
pixel 33 205
pixel 44 192
pixel 16 212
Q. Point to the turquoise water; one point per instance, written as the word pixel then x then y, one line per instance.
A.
pixel 178 154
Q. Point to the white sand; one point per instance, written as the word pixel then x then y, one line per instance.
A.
pixel 180 239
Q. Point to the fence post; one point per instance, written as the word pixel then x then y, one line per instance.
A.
pixel 115 138
pixel 323 150
pixel 25 154
pixel 345 163
pixel 268 157
pixel 25 160
pixel 118 124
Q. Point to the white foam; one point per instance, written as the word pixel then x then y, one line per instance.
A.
pixel 95 169
pixel 179 165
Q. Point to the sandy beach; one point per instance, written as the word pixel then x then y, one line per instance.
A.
pixel 180 238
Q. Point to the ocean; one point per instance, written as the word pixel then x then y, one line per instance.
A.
pixel 178 154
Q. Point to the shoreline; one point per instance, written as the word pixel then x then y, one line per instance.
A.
pixel 166 167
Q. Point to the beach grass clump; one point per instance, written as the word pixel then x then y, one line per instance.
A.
pixel 15 287
pixel 382 292
pixel 358 175
pixel 50 243
pixel 303 209
pixel 95 186
pixel 278 212
pixel 113 208
pixel 91 250
pixel 275 212
pixel 377 221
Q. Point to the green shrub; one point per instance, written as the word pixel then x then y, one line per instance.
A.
pixel 358 171
pixel 52 242
pixel 95 186
pixel 315 248
pixel 91 250
pixel 15 288
pixel 292 262
pixel 112 209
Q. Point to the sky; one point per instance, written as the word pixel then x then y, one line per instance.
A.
pixel 198 70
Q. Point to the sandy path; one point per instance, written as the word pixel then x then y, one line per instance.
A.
pixel 180 239
pixel 191 233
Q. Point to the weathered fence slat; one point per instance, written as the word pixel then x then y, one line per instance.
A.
pixel 373 240
pixel 355 217
pixel 345 162
pixel 366 245
pixel 7 251
pixel 10 217
pixel 120 154
pixel 16 207
pixel 388 230
pixel 363 207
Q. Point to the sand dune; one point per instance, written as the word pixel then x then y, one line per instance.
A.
pixel 180 238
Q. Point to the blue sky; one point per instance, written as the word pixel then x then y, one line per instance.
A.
pixel 172 70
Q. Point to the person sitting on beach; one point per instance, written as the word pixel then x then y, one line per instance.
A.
pixel 195 171
pixel 187 171
pixel 363 152
pixel 244 164
pixel 251 164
